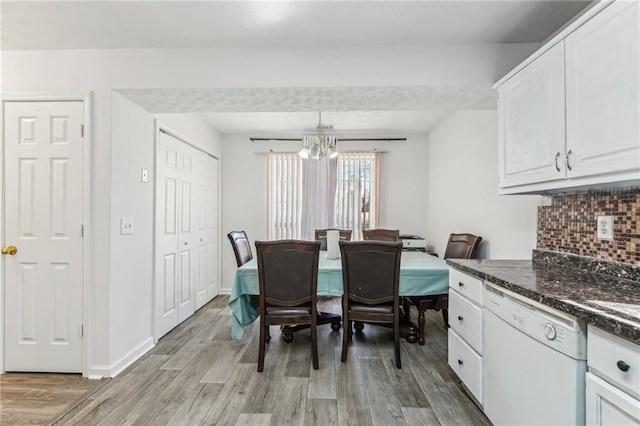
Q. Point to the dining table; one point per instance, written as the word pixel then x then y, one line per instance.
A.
pixel 421 274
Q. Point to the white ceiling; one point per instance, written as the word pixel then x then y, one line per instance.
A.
pixel 27 25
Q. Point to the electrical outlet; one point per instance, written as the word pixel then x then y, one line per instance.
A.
pixel 144 175
pixel 605 227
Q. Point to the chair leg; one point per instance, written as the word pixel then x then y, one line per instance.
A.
pixel 396 343
pixel 345 337
pixel 420 326
pixel 406 308
pixel 445 317
pixel 314 346
pixel 263 332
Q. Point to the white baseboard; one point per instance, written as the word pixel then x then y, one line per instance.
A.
pixel 98 372
pixel 225 291
pixel 131 357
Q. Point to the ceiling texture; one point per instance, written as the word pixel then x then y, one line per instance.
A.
pixel 43 25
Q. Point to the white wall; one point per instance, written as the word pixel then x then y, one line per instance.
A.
pixel 192 129
pixel 131 327
pixel 462 190
pixel 403 203
pixel 103 71
pixel 403 170
pixel 130 293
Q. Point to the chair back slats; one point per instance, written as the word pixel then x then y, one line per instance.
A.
pixel 241 247
pixel 462 246
pixel 392 235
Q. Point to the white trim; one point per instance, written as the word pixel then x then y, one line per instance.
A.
pixel 597 8
pixel 98 372
pixel 166 129
pixel 87 259
pixel 131 357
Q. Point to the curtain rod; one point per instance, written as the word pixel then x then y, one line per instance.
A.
pixel 295 152
pixel 337 139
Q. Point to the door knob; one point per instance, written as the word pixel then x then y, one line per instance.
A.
pixel 9 250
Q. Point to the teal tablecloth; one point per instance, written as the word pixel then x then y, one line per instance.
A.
pixel 420 274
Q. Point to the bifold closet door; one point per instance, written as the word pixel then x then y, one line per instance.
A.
pixel 186 231
pixel 166 257
pixel 187 220
pixel 206 232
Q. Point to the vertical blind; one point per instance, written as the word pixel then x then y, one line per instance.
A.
pixel 357 192
pixel 285 200
pixel 332 194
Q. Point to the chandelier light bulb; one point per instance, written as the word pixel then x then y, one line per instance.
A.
pixel 319 145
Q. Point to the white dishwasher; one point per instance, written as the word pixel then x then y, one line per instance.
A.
pixel 535 362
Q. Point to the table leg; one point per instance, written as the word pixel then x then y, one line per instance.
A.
pixel 408 329
pixel 323 318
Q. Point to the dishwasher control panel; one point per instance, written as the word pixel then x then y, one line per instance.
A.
pixel 547 325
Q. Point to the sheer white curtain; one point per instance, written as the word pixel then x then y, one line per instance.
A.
pixel 318 195
pixel 285 200
pixel 357 192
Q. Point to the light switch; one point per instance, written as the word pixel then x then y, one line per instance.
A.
pixel 144 175
pixel 126 225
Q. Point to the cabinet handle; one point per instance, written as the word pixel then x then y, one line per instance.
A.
pixel 460 284
pixel 557 156
pixel 460 318
pixel 569 165
pixel 460 362
pixel 623 366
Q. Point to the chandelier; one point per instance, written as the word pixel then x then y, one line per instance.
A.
pixel 319 145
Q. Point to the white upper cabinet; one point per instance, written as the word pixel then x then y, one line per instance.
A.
pixel 531 122
pixel 603 84
pixel 569 116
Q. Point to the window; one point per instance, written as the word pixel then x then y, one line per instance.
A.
pixel 285 196
pixel 293 187
pixel 356 194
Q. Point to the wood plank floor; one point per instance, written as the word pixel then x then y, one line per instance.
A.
pixel 39 398
pixel 198 375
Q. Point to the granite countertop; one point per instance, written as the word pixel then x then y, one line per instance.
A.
pixel 608 302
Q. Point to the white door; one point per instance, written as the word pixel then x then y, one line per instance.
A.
pixel 200 234
pixel 43 175
pixel 213 269
pixel 531 122
pixel 186 231
pixel 207 231
pixel 603 92
pixel 187 218
pixel 608 405
pixel 175 207
pixel 166 276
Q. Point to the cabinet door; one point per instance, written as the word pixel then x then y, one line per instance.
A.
pixel 608 405
pixel 531 122
pixel 602 70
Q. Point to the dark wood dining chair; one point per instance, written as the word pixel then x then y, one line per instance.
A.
pixel 459 246
pixel 241 247
pixel 288 283
pixel 321 235
pixel 392 235
pixel 242 251
pixel 371 285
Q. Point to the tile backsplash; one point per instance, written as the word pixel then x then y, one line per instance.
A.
pixel 569 225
